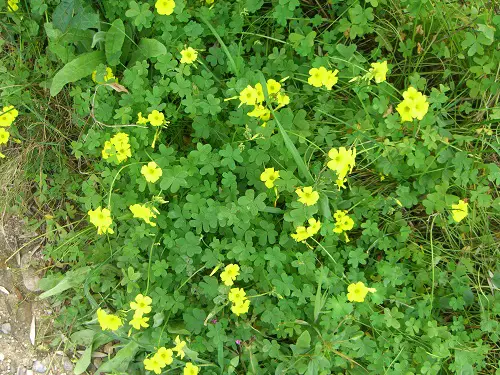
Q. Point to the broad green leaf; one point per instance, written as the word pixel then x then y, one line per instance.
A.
pixel 120 362
pixel 76 69
pixel 72 279
pixel 114 42
pixel 147 49
pixel 84 361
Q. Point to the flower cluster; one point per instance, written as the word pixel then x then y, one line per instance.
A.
pixel 239 300
pixel 101 218
pixel 343 223
pixel 231 271
pixel 109 76
pixel 307 195
pixel 12 5
pixel 414 105
pixel 8 116
pixel 302 233
pixel 358 291
pixel 254 96
pixel 189 55
pixel 117 146
pixel 141 306
pixel 141 211
pixel 165 7
pixel 269 177
pixel 164 357
pixel 151 172
pixel 323 77
pixel 342 162
pixel 155 118
pixel 459 211
pixel 107 321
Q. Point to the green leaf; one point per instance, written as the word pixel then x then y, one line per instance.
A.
pixel 148 48
pixel 121 360
pixel 84 361
pixel 76 69
pixel 303 343
pixel 114 42
pixel 72 279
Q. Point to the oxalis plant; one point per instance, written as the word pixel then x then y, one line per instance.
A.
pixel 276 187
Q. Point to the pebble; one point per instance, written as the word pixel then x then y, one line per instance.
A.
pixel 29 372
pixel 2 357
pixel 6 328
pixel 67 364
pixel 39 367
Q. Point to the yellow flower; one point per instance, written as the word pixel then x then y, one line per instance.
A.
pixel 411 93
pixel 12 5
pixel 141 120
pixel 273 87
pixel 282 99
pixel 151 172
pixel 342 161
pixel 314 226
pixel 237 295
pixel 143 212
pixel 459 211
pixel 260 93
pixel 141 305
pixel 156 118
pixel 108 321
pixel 420 107
pixel 9 114
pixel 191 369
pixel 269 177
pixel 358 291
pixel 330 79
pixel 307 195
pixel 189 55
pixel 107 77
pixel 343 223
pixel 101 218
pixel 139 321
pixel 241 307
pixel 118 146
pixel 164 356
pixel 153 364
pixel 317 76
pixel 4 136
pixel 231 271
pixel 248 96
pixel 405 109
pixel 300 234
pixel 258 111
pixel 179 347
pixel 165 7
pixel 378 71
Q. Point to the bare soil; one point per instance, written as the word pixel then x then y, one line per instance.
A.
pixel 28 344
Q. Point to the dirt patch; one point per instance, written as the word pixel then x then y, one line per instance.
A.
pixel 26 332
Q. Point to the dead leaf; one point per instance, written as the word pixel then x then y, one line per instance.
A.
pixel 419 48
pixel 388 111
pixel 33 331
pixel 117 87
pixel 419 30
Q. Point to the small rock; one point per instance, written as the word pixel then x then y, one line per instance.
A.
pixel 39 367
pixel 29 372
pixel 30 279
pixel 6 328
pixel 67 364
pixel 2 357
